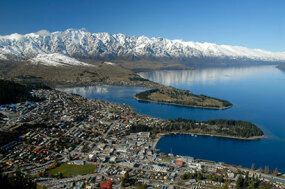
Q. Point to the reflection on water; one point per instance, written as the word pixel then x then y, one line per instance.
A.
pixel 106 92
pixel 204 76
pixel 87 91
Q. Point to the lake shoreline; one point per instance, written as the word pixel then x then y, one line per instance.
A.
pixel 231 84
pixel 156 140
pixel 190 106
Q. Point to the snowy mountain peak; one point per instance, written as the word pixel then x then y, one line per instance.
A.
pixel 83 44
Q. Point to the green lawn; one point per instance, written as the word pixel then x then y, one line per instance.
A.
pixel 71 170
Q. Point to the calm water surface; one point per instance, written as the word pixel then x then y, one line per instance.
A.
pixel 258 96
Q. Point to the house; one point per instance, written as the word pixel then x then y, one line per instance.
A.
pixel 195 165
pixel 113 159
pixel 179 162
pixel 144 134
pixel 76 162
pixel 107 185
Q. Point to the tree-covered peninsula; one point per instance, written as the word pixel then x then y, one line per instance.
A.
pixel 220 127
pixel 171 95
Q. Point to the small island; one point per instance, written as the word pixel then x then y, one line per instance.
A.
pixel 171 95
pixel 236 129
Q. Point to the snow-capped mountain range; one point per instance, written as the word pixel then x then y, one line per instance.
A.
pixel 78 44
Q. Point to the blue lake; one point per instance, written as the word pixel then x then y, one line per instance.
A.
pixel 257 93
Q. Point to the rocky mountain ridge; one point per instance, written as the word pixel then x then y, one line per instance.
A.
pixel 81 44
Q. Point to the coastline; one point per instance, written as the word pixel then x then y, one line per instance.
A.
pixel 147 85
pixel 184 105
pixel 156 140
pixel 63 86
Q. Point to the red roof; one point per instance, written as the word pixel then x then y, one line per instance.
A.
pixel 180 162
pixel 36 150
pixel 107 185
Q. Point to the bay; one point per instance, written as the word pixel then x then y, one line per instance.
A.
pixel 257 93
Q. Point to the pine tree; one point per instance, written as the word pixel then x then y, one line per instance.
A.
pixel 276 171
pixel 239 182
pixel 266 169
pixel 253 166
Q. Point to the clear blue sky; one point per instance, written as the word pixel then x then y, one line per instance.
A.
pixel 250 23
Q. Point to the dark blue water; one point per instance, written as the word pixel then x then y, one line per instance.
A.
pixel 258 94
pixel 237 152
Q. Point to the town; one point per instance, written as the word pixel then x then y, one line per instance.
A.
pixel 67 141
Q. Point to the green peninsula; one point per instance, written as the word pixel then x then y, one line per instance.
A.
pixel 171 95
pixel 236 129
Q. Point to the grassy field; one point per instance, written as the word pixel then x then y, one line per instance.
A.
pixel 71 170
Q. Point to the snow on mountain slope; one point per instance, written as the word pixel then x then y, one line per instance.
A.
pixel 82 44
pixel 56 59
pixel 110 63
pixel 3 57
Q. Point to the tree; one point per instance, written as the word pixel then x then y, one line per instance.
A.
pixel 239 182
pixel 264 186
pixel 252 184
pixel 246 180
pixel 199 176
pixel 226 185
pixel 276 171
pixel 60 175
pixel 143 186
pixel 126 179
pixel 53 165
pixel 221 178
pixel 266 169
pixel 16 180
pixel 253 166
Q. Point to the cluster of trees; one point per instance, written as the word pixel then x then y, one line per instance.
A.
pixel 53 165
pixel 202 176
pixel 17 180
pixel 138 79
pixel 8 136
pixel 266 170
pixel 236 128
pixel 144 128
pixel 242 181
pixel 140 128
pixel 246 182
pixel 11 92
pixel 2 116
pixel 127 181
pixel 145 94
pixel 188 175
